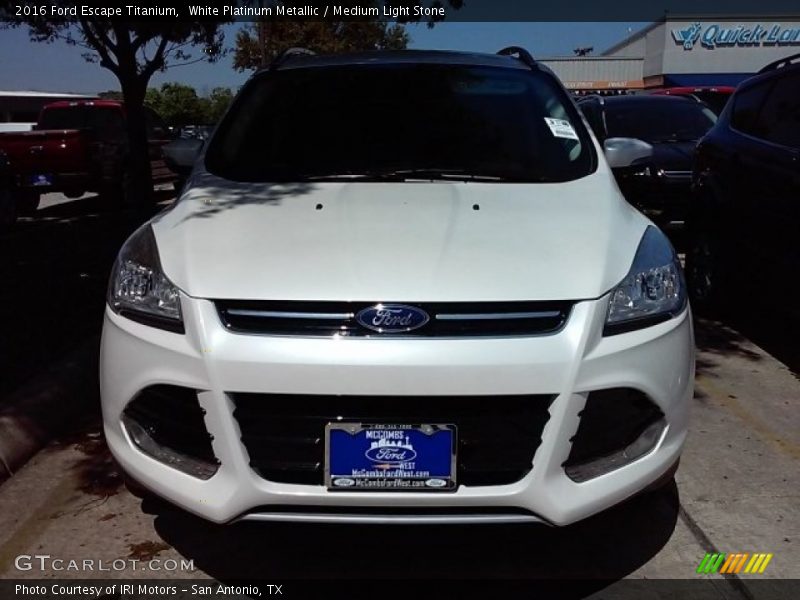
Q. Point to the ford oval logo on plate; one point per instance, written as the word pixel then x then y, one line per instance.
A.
pixel 392 318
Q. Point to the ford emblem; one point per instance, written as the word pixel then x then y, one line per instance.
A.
pixel 392 318
pixel 435 483
pixel 391 451
pixel 343 482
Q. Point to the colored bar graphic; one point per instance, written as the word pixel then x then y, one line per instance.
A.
pixel 734 563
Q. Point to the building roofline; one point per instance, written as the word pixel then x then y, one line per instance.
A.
pixel 37 94
pixel 633 37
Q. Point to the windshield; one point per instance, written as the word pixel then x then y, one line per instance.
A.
pixel 659 120
pixel 401 122
pixel 103 119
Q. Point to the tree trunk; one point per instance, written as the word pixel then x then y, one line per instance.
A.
pixel 137 184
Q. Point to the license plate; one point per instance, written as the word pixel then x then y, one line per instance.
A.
pixel 381 458
pixel 41 180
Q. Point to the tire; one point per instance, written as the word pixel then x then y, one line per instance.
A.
pixel 706 270
pixel 135 488
pixel 8 209
pixel 28 202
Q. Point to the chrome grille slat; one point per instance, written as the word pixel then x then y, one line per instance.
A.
pixel 447 319
pixel 496 316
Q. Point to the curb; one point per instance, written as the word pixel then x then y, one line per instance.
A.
pixel 32 415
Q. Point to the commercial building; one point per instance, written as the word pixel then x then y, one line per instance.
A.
pixel 683 51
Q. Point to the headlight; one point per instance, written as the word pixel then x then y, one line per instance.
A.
pixel 139 290
pixel 652 292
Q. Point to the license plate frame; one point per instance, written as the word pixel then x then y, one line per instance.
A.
pixel 359 446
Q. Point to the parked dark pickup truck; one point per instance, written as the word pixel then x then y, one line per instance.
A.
pixel 78 147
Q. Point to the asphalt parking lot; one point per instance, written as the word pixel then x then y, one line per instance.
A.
pixel 736 490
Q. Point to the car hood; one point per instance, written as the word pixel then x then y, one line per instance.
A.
pixel 412 241
pixel 674 156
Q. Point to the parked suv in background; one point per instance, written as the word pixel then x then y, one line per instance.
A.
pixel 714 96
pixel 745 215
pixel 399 287
pixel 659 185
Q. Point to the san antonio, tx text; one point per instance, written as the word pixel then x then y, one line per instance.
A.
pixel 164 591
pixel 331 10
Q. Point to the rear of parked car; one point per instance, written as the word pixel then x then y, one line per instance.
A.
pixel 398 287
pixel 78 147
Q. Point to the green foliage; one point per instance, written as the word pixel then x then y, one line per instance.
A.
pixel 324 37
pixel 111 95
pixel 179 105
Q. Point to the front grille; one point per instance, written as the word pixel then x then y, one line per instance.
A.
pixel 284 434
pixel 447 319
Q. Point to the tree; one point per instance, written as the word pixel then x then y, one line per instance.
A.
pixel 133 50
pixel 177 103
pixel 111 95
pixel 216 104
pixel 274 36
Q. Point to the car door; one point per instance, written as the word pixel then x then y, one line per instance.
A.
pixel 776 163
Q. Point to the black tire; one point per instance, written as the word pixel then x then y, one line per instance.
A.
pixel 8 209
pixel 707 269
pixel 28 202
pixel 135 488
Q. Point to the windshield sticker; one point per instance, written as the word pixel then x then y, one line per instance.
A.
pixel 561 128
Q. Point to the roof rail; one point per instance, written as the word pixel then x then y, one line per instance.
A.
pixel 288 53
pixel 520 54
pixel 780 63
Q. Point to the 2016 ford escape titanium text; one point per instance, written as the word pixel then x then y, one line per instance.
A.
pixel 399 287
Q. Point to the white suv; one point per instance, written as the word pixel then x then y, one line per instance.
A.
pixel 399 287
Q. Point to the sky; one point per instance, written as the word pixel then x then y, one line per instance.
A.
pixel 60 68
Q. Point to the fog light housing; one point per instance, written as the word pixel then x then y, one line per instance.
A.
pixel 166 423
pixel 618 426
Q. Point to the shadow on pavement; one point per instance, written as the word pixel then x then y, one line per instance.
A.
pixel 735 332
pixel 590 554
pixel 55 267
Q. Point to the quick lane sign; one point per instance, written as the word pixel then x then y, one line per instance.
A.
pixel 713 35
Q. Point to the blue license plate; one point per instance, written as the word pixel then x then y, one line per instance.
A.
pixel 41 180
pixel 380 458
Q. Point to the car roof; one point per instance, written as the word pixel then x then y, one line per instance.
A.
pixel 634 99
pixel 388 57
pixel 769 73
pixel 695 89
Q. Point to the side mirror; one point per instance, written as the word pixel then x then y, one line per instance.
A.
pixel 624 152
pixel 180 155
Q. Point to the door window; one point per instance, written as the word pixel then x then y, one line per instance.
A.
pixel 747 107
pixel 779 120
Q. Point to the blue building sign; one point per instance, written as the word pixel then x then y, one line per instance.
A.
pixel 714 35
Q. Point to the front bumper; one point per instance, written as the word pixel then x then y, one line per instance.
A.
pixel 657 361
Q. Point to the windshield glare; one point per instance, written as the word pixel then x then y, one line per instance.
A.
pixel 410 121
pixel 659 120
